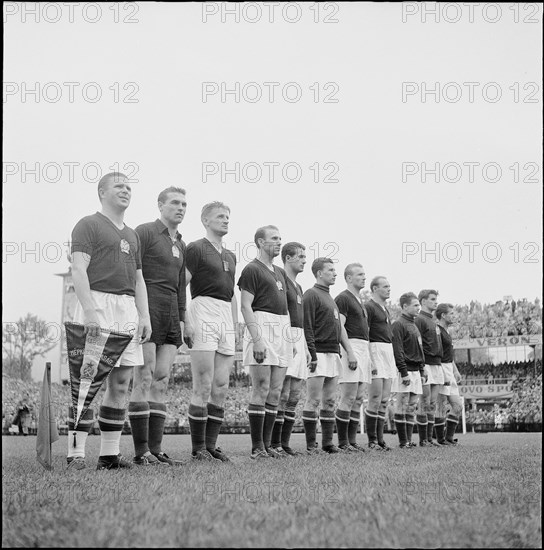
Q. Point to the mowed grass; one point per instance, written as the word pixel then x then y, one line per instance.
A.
pixel 485 493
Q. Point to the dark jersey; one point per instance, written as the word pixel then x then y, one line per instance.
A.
pixel 321 321
pixel 379 323
pixel 447 345
pixel 294 303
pixel 430 334
pixel 115 254
pixel 355 313
pixel 268 288
pixel 163 264
pixel 212 273
pixel 407 346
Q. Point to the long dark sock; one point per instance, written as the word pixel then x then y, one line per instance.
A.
pixel 213 426
pixel 327 427
pixel 198 418
pixel 309 419
pixel 342 425
pixel 256 423
pixel 400 422
pixel 278 428
pixel 354 420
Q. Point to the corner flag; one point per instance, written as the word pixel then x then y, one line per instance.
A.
pixel 47 424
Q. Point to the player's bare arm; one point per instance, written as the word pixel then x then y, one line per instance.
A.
pixel 234 308
pixel 352 360
pixel 188 330
pixel 80 263
pixel 259 349
pixel 144 323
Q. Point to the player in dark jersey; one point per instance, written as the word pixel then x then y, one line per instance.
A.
pixel 382 361
pixel 432 348
pixel 323 332
pixel 163 267
pixel 352 382
pixel 449 392
pixel 266 341
pixel 293 256
pixel 410 363
pixel 210 331
pixel 111 293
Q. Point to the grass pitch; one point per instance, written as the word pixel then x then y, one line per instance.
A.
pixel 485 493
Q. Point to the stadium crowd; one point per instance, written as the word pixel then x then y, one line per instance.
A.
pixel 503 318
pixel 511 370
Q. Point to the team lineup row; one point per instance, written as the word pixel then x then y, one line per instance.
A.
pixel 291 336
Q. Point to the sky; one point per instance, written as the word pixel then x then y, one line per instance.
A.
pixel 386 134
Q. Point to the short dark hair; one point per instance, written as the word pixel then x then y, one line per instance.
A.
pixel 207 208
pixel 376 282
pixel 407 298
pixel 261 233
pixel 349 269
pixel 163 195
pixel 319 263
pixel 290 249
pixel 443 309
pixel 104 180
pixel 425 293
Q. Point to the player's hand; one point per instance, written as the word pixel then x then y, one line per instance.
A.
pixel 458 378
pixel 374 371
pixel 92 326
pixel 308 358
pixel 259 351
pixel 144 330
pixel 424 377
pixel 405 380
pixel 189 336
pixel 352 361
pixel 312 365
pixel 236 335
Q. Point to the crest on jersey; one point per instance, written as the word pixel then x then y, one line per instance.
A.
pixel 279 285
pixel 125 246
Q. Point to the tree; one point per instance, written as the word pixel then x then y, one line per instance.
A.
pixel 24 340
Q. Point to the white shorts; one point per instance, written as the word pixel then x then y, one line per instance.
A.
pixel 415 383
pixel 363 372
pixel 328 365
pixel 297 365
pixel 382 359
pixel 117 312
pixel 212 322
pixel 435 375
pixel 453 388
pixel 275 331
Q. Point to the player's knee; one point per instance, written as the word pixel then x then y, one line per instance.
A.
pixel 273 396
pixel 328 403
pixel 284 397
pixel 203 390
pixel 292 402
pixel 348 401
pixel 159 385
pixel 456 408
pixel 312 403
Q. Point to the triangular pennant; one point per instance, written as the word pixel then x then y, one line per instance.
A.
pixel 90 362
